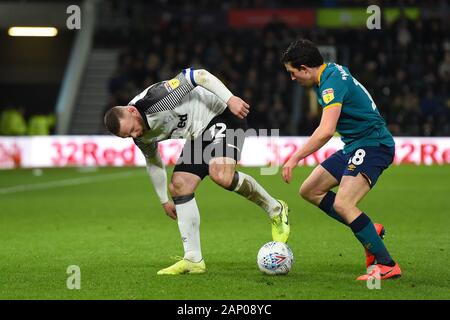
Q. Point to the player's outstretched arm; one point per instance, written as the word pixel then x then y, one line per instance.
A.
pixel 157 172
pixel 317 140
pixel 211 83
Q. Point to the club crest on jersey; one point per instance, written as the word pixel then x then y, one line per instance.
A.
pixel 328 95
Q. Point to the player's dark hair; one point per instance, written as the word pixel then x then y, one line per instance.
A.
pixel 302 52
pixel 112 120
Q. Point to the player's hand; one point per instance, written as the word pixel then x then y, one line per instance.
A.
pixel 288 168
pixel 238 107
pixel 170 209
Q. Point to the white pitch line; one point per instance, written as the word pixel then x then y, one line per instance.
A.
pixel 65 183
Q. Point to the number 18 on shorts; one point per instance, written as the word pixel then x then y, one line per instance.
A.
pixel 369 161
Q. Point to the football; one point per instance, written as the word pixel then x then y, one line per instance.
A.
pixel 275 258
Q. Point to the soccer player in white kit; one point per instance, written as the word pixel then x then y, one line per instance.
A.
pixel 197 106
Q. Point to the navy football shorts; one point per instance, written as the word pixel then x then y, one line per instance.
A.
pixel 369 161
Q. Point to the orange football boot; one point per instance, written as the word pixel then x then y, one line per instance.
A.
pixel 381 272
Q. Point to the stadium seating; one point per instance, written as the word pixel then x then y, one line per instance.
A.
pixel 405 67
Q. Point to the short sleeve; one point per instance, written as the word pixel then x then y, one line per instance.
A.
pixel 333 92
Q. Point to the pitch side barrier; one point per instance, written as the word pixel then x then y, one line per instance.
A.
pixel 267 151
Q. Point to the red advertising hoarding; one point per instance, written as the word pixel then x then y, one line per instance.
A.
pixel 254 18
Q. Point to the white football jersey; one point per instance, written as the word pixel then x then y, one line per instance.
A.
pixel 175 109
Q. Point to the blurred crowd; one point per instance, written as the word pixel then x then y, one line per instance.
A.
pixel 404 65
pixel 267 4
pixel 406 68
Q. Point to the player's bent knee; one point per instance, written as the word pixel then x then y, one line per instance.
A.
pixel 221 177
pixel 222 180
pixel 222 172
pixel 172 189
pixel 309 193
pixel 341 206
pixel 304 192
pixel 179 186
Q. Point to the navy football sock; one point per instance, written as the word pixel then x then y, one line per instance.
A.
pixel 326 205
pixel 366 233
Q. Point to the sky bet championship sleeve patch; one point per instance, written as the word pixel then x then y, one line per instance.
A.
pixel 328 95
pixel 172 84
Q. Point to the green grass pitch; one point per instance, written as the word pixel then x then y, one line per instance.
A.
pixel 110 224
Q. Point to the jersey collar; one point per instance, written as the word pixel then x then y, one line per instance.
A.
pixel 139 106
pixel 322 67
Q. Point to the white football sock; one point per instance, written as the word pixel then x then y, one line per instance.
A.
pixel 189 226
pixel 253 191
